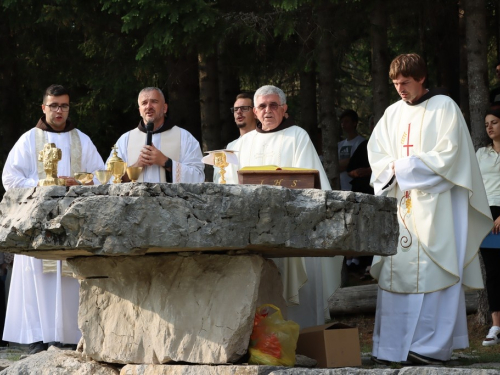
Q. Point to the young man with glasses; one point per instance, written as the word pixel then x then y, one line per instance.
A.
pixel 245 120
pixel 43 307
pixel 278 141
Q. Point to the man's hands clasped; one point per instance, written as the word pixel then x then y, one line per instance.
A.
pixel 150 155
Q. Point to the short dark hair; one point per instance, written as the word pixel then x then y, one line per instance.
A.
pixel 350 113
pixel 245 95
pixel 54 90
pixel 149 89
pixel 408 65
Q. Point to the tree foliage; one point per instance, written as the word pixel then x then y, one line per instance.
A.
pixel 105 51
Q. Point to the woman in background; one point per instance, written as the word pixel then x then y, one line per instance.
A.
pixel 489 164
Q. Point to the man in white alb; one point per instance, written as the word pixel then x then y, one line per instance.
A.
pixel 43 307
pixel 174 154
pixel 308 282
pixel 245 120
pixel 421 153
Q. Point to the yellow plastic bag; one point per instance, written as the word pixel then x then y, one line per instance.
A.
pixel 273 340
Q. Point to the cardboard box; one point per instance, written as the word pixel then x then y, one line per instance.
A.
pixel 332 345
pixel 292 179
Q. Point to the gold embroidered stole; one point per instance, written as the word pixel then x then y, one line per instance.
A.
pixel 75 157
pixel 405 203
pixel 50 266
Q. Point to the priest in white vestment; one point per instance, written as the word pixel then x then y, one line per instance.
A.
pixel 43 307
pixel 421 153
pixel 174 155
pixel 308 282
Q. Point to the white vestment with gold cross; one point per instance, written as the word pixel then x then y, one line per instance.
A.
pixel 443 217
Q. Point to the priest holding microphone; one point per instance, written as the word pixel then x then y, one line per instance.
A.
pixel 166 152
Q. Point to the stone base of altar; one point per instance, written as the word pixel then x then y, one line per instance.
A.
pixel 156 309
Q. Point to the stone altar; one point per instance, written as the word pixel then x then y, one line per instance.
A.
pixel 174 272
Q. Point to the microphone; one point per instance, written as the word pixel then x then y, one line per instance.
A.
pixel 149 133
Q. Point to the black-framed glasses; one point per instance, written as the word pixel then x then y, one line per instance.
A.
pixel 244 108
pixel 272 106
pixel 54 107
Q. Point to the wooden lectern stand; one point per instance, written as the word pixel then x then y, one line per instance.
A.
pixel 292 178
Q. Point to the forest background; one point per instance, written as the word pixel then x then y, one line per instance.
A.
pixel 327 55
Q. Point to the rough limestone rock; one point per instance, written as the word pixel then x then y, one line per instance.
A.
pixel 304 361
pixel 418 370
pixel 265 370
pixel 335 371
pixel 56 222
pixel 58 362
pixel 160 308
pixel 445 371
pixel 196 370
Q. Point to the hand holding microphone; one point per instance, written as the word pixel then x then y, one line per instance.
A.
pixel 149 133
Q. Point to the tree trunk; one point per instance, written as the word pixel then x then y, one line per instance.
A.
pixel 444 19
pixel 209 102
pixel 380 60
pixel 229 87
pixel 209 106
pixel 308 106
pixel 362 299
pixel 11 105
pixel 327 117
pixel 184 93
pixel 477 72
pixel 498 30
pixel 477 42
pixel 464 82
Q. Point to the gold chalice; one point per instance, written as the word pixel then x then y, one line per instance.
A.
pixel 220 161
pixel 103 175
pixel 117 166
pixel 83 177
pixel 134 173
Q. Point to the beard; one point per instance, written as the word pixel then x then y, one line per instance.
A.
pixel 241 125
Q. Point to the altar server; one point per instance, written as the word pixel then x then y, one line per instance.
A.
pixel 421 153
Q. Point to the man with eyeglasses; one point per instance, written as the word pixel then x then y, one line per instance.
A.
pixel 43 306
pixel 174 155
pixel 245 120
pixel 308 282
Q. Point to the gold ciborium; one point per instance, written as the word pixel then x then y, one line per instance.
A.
pixel 134 173
pixel 103 175
pixel 50 156
pixel 220 161
pixel 117 166
pixel 83 178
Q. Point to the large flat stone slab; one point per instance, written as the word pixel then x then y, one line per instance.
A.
pixel 160 308
pixel 56 222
